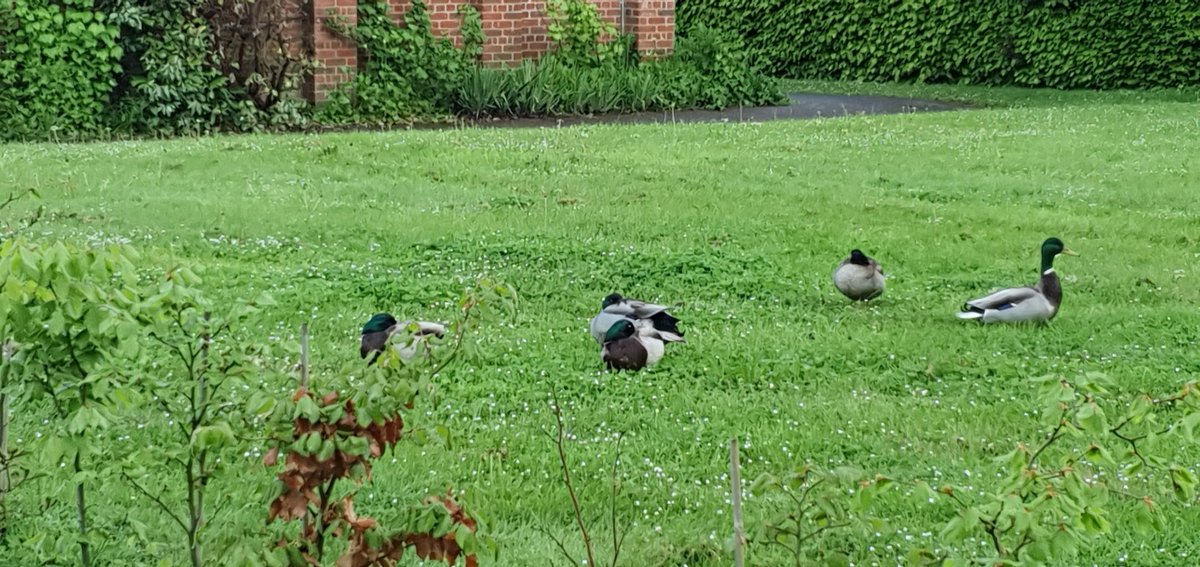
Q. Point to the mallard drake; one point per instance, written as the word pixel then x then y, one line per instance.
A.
pixel 859 277
pixel 629 347
pixel 615 308
pixel 1038 303
pixel 382 326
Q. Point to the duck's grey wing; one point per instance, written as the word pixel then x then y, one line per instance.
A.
pixel 601 323
pixel 1003 299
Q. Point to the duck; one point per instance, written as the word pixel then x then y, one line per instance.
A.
pixel 859 277
pixel 383 326
pixel 627 346
pixel 615 308
pixel 1038 303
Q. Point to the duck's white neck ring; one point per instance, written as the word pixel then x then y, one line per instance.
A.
pixel 1048 272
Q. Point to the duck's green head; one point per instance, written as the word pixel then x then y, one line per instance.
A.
pixel 620 330
pixel 858 258
pixel 1053 247
pixel 611 299
pixel 380 323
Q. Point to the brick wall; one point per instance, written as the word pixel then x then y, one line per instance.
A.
pixel 515 30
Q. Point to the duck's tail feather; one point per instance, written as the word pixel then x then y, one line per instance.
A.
pixel 667 323
pixel 970 313
pixel 669 337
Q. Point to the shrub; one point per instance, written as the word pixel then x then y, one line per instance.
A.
pixel 262 62
pixel 82 68
pixel 409 72
pixel 58 62
pixel 580 35
pixel 1045 43
pixel 168 85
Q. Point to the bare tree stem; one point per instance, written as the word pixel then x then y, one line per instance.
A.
pixel 735 479
pixel 566 469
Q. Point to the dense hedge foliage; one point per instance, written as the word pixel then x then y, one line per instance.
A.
pixel 74 69
pixel 1043 43
pixel 57 65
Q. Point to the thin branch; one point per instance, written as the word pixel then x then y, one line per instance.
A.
pixel 993 531
pixel 560 545
pixel 562 457
pixel 155 499
pixel 824 528
pixel 1026 539
pixel 1054 436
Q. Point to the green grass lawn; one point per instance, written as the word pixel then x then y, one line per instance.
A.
pixel 739 227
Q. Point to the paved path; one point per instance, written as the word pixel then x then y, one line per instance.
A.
pixel 803 105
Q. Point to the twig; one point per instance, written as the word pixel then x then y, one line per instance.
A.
pixel 818 531
pixel 560 545
pixel 154 498
pixel 566 469
pixel 1054 436
pixel 735 478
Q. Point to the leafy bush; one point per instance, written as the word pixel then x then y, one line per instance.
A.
pixel 1051 43
pixel 409 72
pixel 263 63
pixel 580 35
pixel 167 85
pixel 718 72
pixel 58 62
pixel 82 68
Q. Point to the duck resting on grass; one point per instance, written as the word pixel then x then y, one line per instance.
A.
pixel 615 308
pixel 859 277
pixel 383 326
pixel 629 347
pixel 1035 304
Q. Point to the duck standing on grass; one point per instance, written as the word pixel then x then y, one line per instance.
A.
pixel 615 308
pixel 628 347
pixel 859 277
pixel 1034 304
pixel 379 331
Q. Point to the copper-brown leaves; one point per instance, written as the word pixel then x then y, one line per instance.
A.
pixel 305 473
pixel 309 475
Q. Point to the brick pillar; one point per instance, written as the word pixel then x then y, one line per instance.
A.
pixel 336 57
pixel 653 23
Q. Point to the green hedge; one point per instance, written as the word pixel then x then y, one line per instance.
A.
pixel 1036 43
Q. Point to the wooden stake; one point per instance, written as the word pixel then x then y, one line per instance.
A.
pixel 739 533
pixel 304 355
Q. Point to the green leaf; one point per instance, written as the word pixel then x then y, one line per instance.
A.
pixel 312 444
pixel 1188 425
pixel 212 436
pixel 1091 418
pixel 307 408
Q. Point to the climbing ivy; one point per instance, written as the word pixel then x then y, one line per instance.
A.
pixel 58 62
pixel 1043 43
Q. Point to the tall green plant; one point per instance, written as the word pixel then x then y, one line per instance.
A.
pixel 409 72
pixel 581 36
pixel 195 372
pixel 329 443
pixel 66 310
